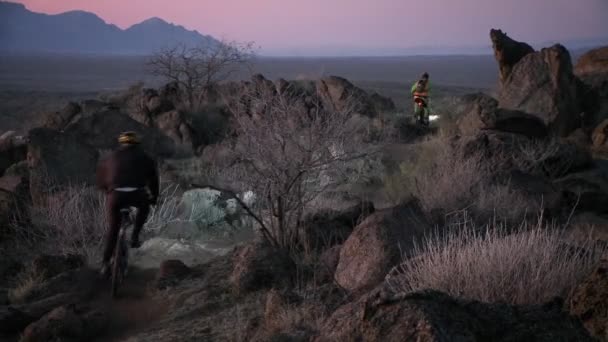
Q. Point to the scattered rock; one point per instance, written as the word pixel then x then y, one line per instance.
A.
pixel 170 272
pixel 589 301
pixel 434 316
pixel 66 322
pixel 377 244
pixel 257 265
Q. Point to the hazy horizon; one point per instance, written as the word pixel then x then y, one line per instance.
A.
pixel 358 27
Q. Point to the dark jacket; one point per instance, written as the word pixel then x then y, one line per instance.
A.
pixel 128 166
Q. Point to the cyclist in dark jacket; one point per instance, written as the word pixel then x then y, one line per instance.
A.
pixel 124 175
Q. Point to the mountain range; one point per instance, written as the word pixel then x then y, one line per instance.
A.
pixel 22 30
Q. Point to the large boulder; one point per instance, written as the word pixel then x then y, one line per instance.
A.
pixel 378 244
pixel 56 159
pixel 434 316
pixel 589 301
pixel 541 83
pixel 507 52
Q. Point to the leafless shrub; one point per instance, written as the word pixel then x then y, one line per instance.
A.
pixel 290 149
pixel 197 69
pixel 523 265
pixel 73 221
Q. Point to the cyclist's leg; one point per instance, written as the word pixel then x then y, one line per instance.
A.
pixel 143 209
pixel 114 220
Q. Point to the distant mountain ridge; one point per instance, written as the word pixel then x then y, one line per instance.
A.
pixel 22 30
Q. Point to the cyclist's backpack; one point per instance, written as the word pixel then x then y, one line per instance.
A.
pixel 420 86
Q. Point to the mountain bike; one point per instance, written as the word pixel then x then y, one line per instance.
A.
pixel 421 114
pixel 120 258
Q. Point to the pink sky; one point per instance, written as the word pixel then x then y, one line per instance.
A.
pixel 280 25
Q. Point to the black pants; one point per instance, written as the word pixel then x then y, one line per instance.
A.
pixel 117 200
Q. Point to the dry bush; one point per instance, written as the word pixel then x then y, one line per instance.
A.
pixel 197 69
pixel 529 265
pixel 73 221
pixel 289 150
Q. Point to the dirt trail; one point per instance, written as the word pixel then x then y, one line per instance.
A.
pixel 136 307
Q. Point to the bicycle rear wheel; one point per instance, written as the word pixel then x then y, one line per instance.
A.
pixel 118 263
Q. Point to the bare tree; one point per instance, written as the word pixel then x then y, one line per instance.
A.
pixel 197 69
pixel 289 150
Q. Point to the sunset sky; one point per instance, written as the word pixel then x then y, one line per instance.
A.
pixel 283 26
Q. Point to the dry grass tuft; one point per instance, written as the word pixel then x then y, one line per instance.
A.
pixel 531 265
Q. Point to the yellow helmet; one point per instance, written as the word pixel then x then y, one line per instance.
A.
pixel 128 138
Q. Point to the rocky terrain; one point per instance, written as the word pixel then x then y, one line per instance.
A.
pixel 543 135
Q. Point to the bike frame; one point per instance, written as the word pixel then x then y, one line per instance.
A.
pixel 121 252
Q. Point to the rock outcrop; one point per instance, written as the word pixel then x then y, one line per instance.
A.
pixel 56 159
pixel 543 84
pixel 594 62
pixel 482 113
pixel 507 52
pixel 434 316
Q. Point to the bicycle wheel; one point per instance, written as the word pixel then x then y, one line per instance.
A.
pixel 117 265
